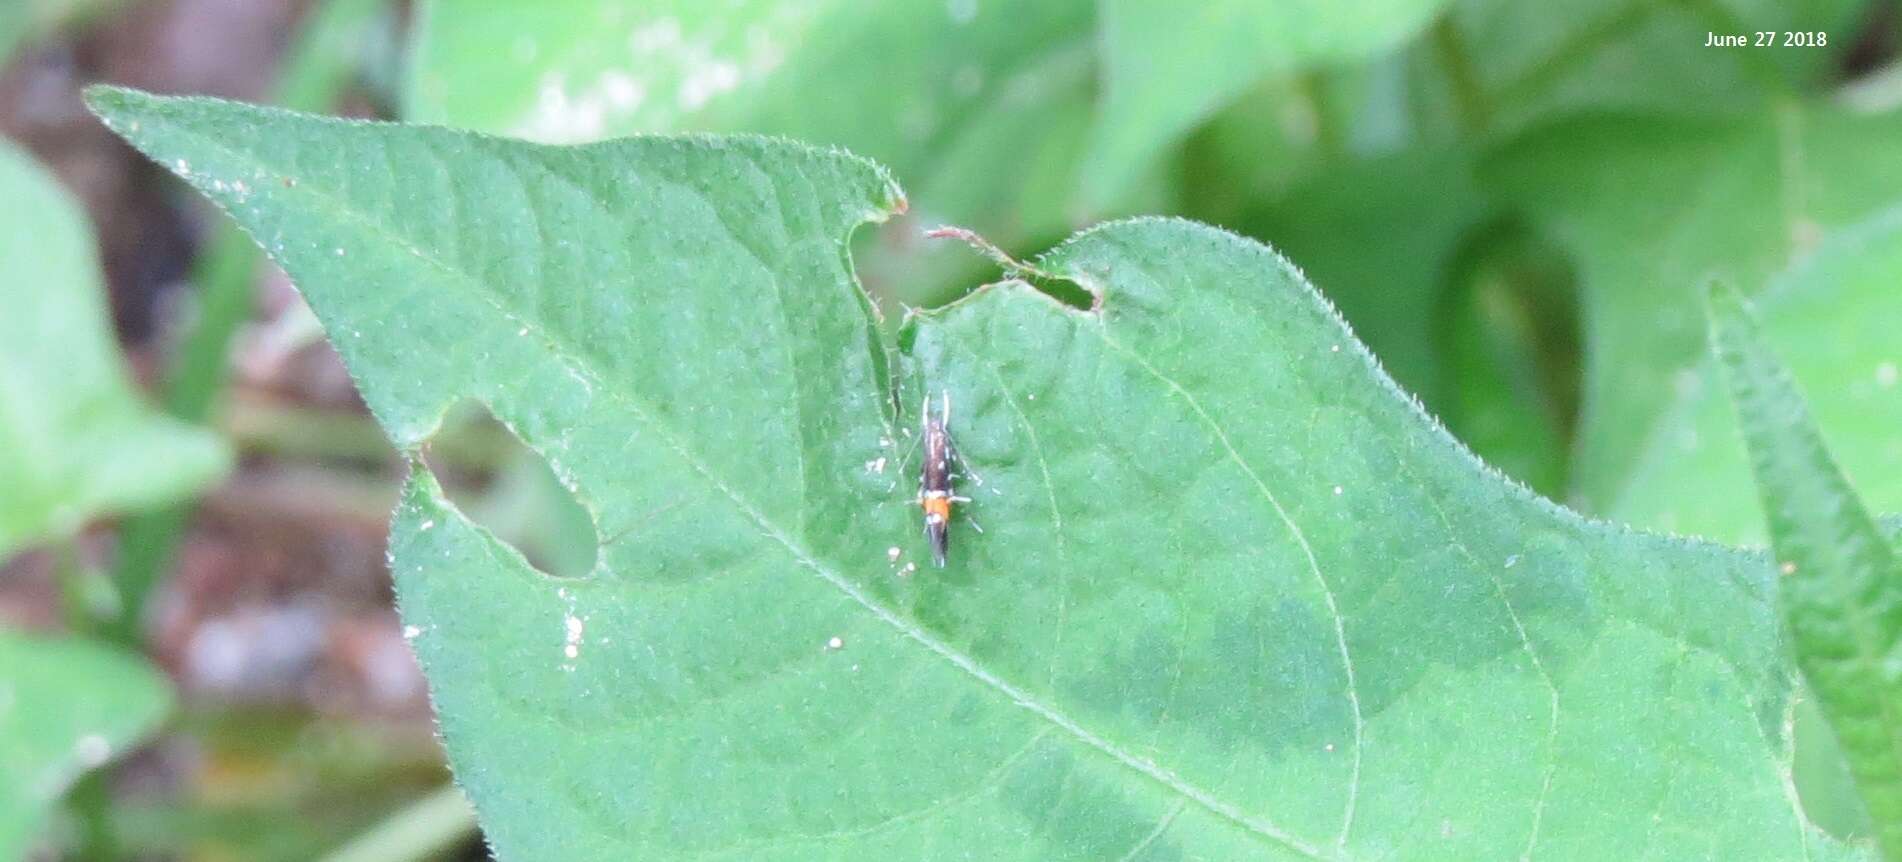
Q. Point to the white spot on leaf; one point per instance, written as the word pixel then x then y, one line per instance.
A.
pixel 574 626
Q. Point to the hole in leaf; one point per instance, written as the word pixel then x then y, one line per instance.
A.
pixel 902 267
pixel 505 486
pixel 1509 335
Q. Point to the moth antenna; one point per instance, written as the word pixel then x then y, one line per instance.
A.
pixel 944 400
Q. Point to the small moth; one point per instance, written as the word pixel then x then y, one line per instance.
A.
pixel 935 494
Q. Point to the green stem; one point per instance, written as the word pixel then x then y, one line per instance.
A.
pixel 1469 96
pixel 319 69
pixel 424 829
pixel 1318 90
pixel 87 596
pixel 91 802
pixel 148 541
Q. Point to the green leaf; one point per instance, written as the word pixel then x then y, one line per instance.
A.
pixel 1835 315
pixel 75 440
pixel 1841 590
pixel 1649 207
pixel 1168 67
pixel 1237 597
pixel 66 706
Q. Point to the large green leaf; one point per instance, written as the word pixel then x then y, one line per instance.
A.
pixel 1648 208
pixel 1168 66
pixel 75 441
pixel 1841 593
pixel 1835 316
pixel 66 706
pixel 1237 597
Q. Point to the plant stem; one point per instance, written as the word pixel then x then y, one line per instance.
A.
pixel 424 829
pixel 1469 96
pixel 91 801
pixel 86 594
pixel 318 70
pixel 1318 90
pixel 148 542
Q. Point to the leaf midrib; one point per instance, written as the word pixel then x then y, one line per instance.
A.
pixel 340 208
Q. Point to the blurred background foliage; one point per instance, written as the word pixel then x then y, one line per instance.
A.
pixel 1513 204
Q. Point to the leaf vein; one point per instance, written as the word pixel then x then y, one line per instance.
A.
pixel 578 362
pixel 1301 539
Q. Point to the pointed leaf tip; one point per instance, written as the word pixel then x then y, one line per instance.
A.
pixel 1840 591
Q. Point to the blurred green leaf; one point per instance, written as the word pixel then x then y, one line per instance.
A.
pixel 989 107
pixel 1236 595
pixel 1649 207
pixel 76 442
pixel 1501 66
pixel 1841 590
pixel 22 21
pixel 337 45
pixel 1508 330
pixel 1837 316
pixel 1821 772
pixel 66 706
pixel 984 104
pixel 1168 66
pixel 1460 309
pixel 1380 238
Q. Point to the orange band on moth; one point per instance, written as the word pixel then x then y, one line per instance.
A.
pixel 940 506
